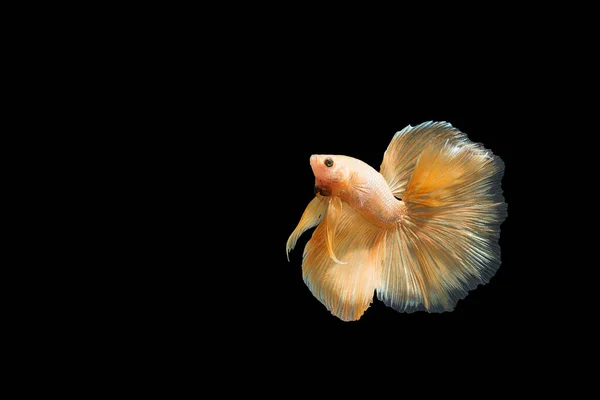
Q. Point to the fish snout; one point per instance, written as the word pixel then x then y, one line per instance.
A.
pixel 314 159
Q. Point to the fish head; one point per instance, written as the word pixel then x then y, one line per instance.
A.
pixel 332 173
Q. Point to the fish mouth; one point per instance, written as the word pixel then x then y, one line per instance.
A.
pixel 322 190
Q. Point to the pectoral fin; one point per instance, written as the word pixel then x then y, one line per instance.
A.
pixel 312 216
pixel 332 218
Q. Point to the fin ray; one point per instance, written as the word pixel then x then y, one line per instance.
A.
pixel 447 243
pixel 403 152
pixel 334 212
pixel 312 216
pixel 345 289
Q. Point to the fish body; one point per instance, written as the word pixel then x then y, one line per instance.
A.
pixel 421 232
pixel 359 185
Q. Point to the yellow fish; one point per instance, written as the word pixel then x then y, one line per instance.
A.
pixel 421 232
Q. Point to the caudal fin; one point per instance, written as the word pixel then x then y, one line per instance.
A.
pixel 447 243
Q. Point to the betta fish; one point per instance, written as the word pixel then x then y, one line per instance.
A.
pixel 421 232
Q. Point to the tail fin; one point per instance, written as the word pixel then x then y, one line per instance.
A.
pixel 447 243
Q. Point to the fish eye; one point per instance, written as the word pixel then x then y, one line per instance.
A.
pixel 328 162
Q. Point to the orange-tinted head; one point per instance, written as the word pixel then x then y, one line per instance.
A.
pixel 331 172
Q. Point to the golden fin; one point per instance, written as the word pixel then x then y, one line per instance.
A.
pixel 405 148
pixel 334 211
pixel 312 216
pixel 447 243
pixel 401 285
pixel 345 289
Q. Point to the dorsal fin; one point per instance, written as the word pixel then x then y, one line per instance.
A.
pixel 403 152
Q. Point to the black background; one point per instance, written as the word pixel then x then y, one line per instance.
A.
pixel 239 179
pixel 224 118
pixel 209 130
pixel 225 130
